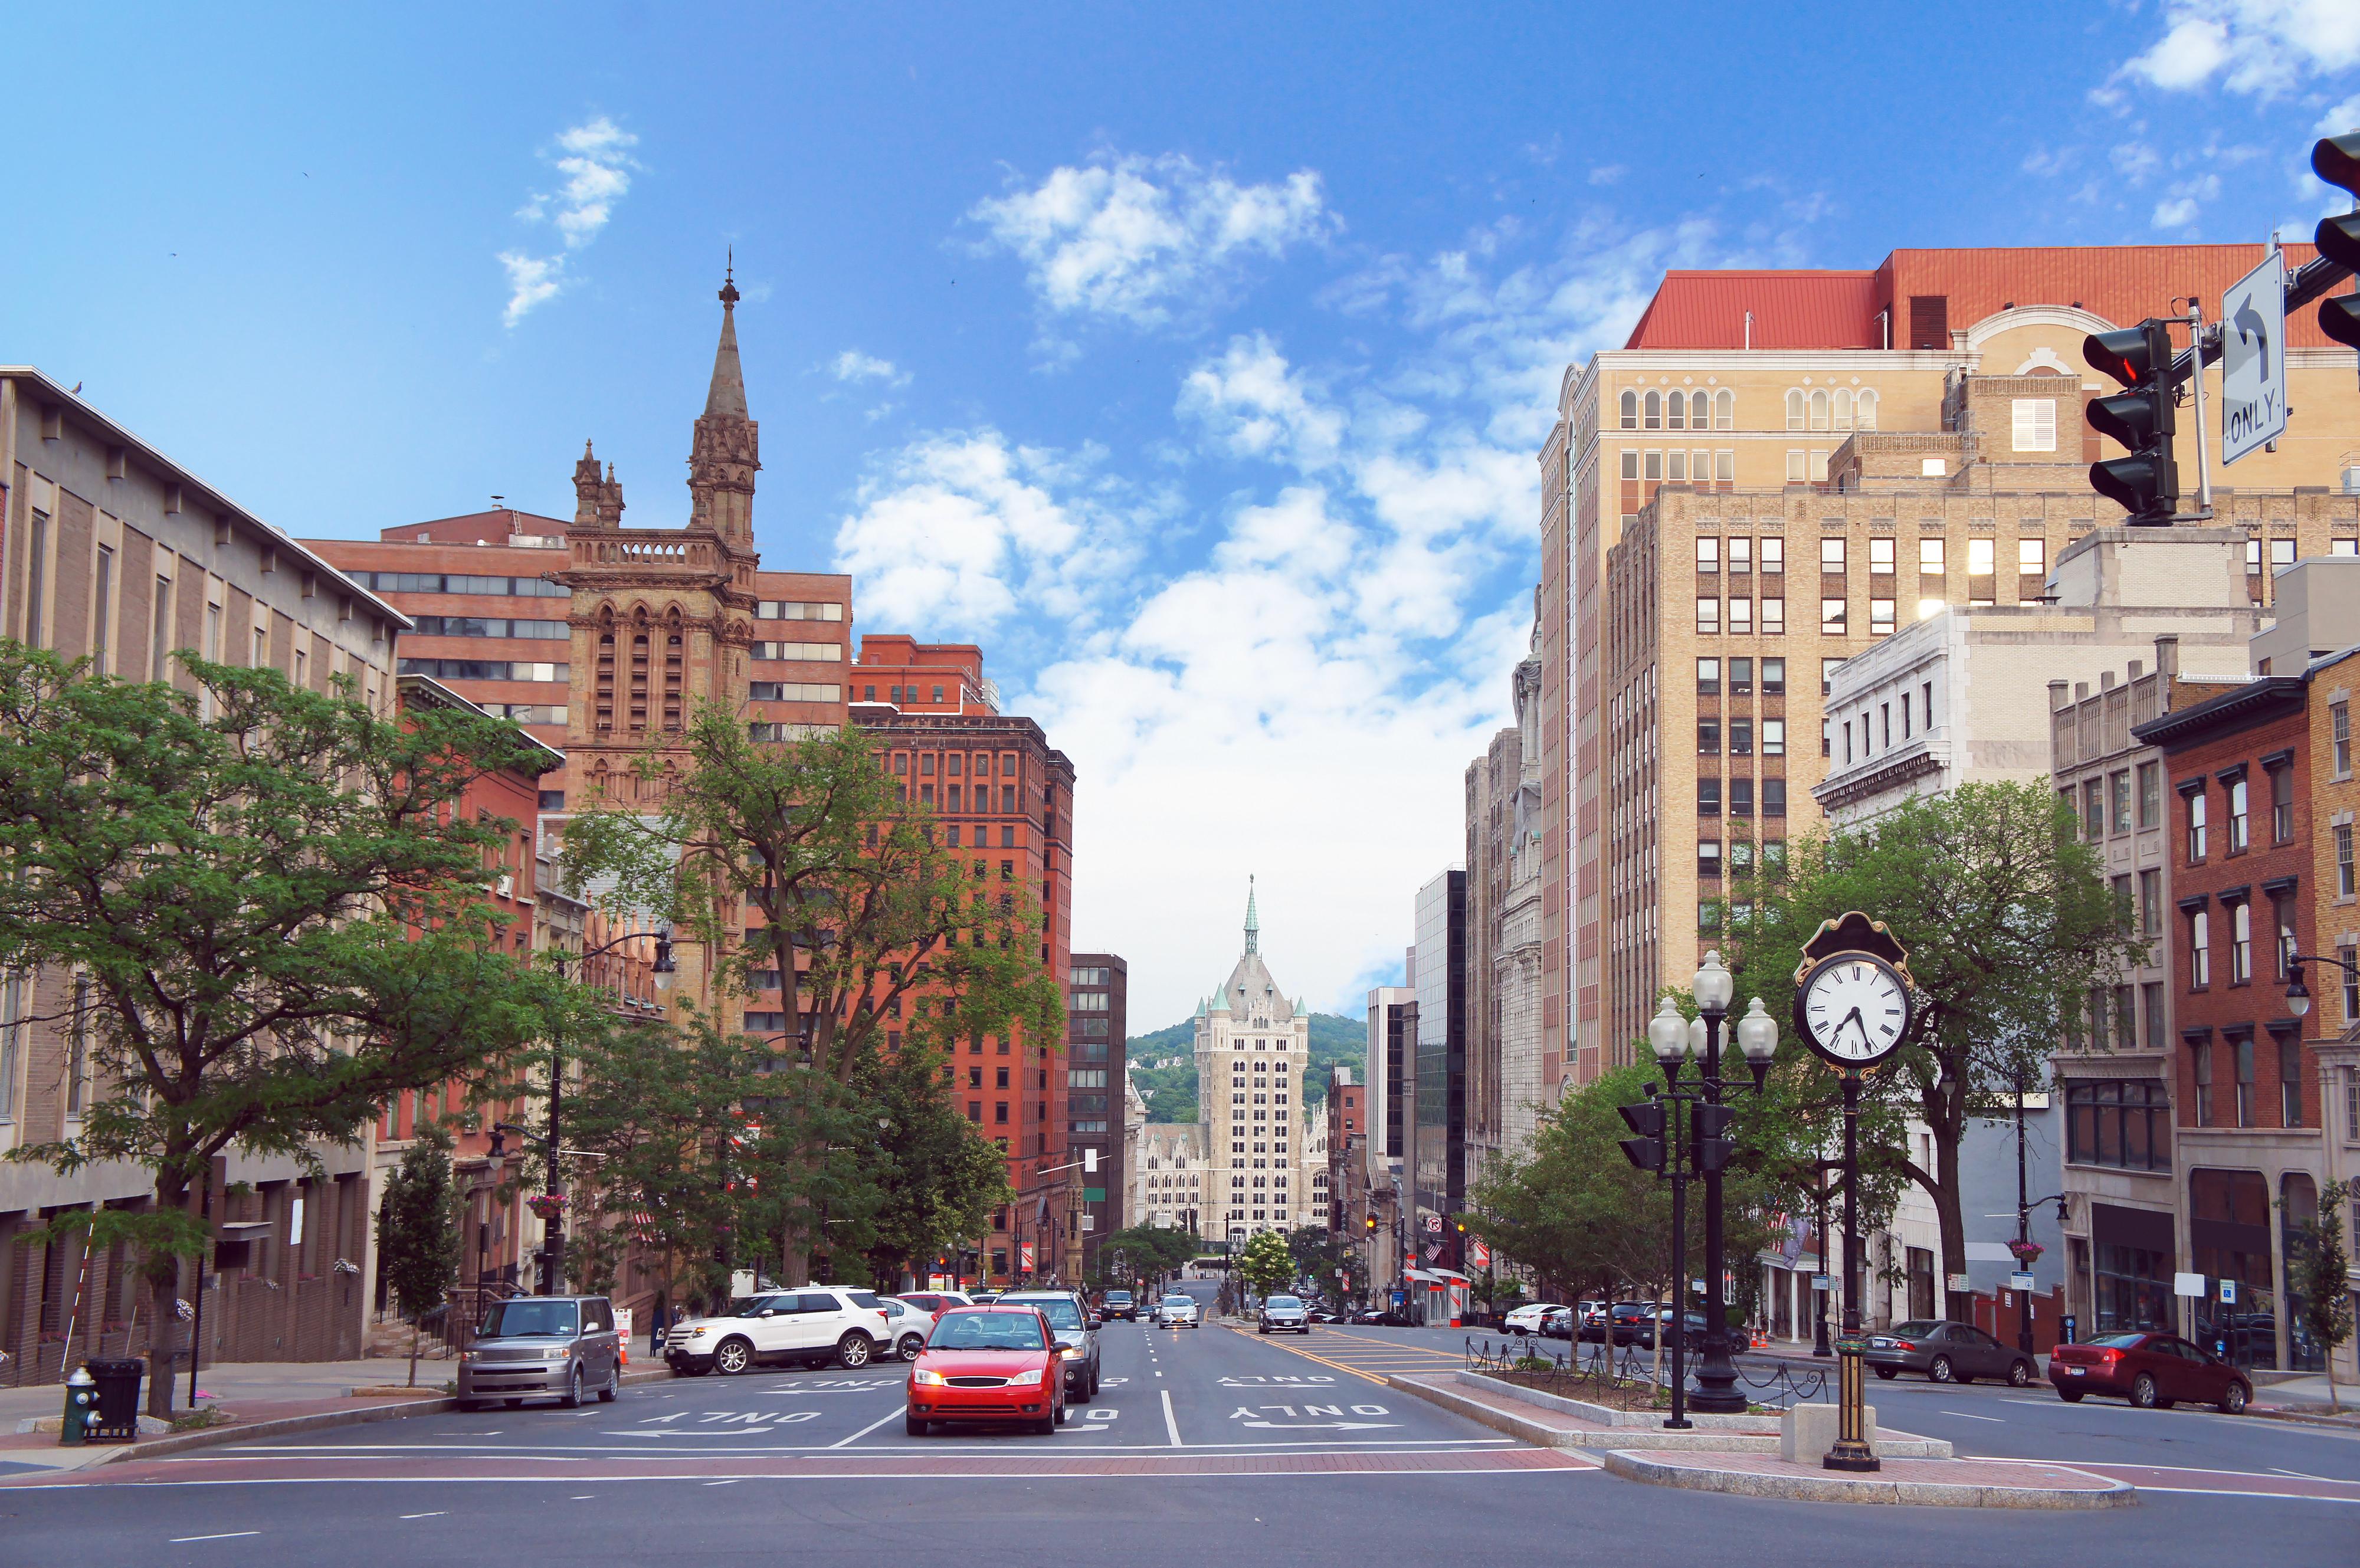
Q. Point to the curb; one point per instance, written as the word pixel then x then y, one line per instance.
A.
pixel 1542 1435
pixel 1638 1467
pixel 318 1421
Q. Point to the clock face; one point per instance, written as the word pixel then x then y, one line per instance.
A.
pixel 1855 1007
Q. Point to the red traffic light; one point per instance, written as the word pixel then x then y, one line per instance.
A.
pixel 2124 354
pixel 2336 159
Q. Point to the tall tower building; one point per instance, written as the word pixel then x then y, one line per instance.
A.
pixel 1252 1045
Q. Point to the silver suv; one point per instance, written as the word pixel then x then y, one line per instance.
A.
pixel 1077 1339
pixel 535 1346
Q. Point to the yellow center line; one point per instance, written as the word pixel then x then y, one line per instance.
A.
pixel 1307 1356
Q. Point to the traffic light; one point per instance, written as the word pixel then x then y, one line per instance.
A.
pixel 2336 159
pixel 1372 1220
pixel 1646 1119
pixel 2145 483
pixel 1713 1143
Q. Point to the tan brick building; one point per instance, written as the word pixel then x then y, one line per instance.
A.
pixel 1774 470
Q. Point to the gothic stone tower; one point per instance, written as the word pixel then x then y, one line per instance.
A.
pixel 663 619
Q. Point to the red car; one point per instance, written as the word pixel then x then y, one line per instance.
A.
pixel 988 1364
pixel 2153 1371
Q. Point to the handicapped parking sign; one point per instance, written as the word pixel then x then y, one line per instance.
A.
pixel 2228 1292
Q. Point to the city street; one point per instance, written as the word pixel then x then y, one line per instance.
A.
pixel 1208 1440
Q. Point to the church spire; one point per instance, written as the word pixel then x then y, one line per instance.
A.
pixel 1253 921
pixel 727 394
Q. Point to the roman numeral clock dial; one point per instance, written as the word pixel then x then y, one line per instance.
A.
pixel 1854 1008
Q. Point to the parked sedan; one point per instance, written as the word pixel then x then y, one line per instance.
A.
pixel 1285 1314
pixel 1659 1326
pixel 988 1364
pixel 2154 1371
pixel 1558 1322
pixel 1946 1353
pixel 1527 1319
pixel 1626 1322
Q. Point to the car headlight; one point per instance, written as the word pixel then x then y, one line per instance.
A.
pixel 556 1353
pixel 699 1332
pixel 926 1379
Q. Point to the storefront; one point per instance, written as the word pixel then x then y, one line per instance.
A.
pixel 2131 1266
pixel 2229 1235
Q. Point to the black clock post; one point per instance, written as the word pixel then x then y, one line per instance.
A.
pixel 1850 956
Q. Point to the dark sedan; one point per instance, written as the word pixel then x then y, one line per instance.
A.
pixel 1631 1321
pixel 1946 1353
pixel 2154 1371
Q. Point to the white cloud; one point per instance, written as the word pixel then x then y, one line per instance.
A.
pixel 2135 161
pixel 1252 404
pixel 2041 161
pixel 854 367
pixel 594 159
pixel 2341 120
pixel 2179 210
pixel 1608 173
pixel 1149 241
pixel 2264 47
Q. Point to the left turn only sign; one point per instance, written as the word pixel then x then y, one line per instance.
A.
pixel 2253 361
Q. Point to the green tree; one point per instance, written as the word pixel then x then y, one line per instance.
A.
pixel 280 910
pixel 1155 1253
pixel 1265 1264
pixel 1318 1255
pixel 418 1241
pixel 2323 1267
pixel 940 1178
pixel 2013 935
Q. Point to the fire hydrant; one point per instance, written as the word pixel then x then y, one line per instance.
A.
pixel 81 1405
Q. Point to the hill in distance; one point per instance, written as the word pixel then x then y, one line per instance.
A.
pixel 1170 1092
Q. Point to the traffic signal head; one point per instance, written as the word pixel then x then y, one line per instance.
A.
pixel 1371 1222
pixel 2146 484
pixel 1646 1119
pixel 2336 159
pixel 1711 1125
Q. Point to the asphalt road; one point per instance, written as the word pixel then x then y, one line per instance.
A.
pixel 1202 1442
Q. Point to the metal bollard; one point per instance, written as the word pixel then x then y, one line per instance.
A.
pixel 82 1403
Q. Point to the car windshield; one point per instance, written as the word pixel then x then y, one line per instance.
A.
pixel 1284 1301
pixel 1118 1296
pixel 1917 1327
pixel 988 1331
pixel 1059 1310
pixel 531 1319
pixel 2120 1341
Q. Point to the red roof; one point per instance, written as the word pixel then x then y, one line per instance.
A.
pixel 1840 309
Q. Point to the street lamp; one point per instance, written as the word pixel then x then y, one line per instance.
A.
pixel 553 1201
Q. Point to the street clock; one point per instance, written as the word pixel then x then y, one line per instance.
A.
pixel 1854 997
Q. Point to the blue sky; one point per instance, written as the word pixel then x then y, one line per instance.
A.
pixel 1191 360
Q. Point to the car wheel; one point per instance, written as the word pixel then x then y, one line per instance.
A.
pixel 1939 1369
pixel 854 1349
pixel 1094 1384
pixel 613 1388
pixel 1887 1373
pixel 2071 1395
pixel 2233 1403
pixel 572 1399
pixel 1064 1414
pixel 687 1371
pixel 915 1427
pixel 471 1404
pixel 2142 1391
pixel 732 1356
pixel 2019 1374
pixel 912 1345
pixel 1962 1378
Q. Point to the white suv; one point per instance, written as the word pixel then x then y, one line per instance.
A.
pixel 816 1322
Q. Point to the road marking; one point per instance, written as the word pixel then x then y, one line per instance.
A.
pixel 729 1483
pixel 225 1535
pixel 2305 1476
pixel 1965 1416
pixel 865 1430
pixel 1170 1423
pixel 2038 1404
pixel 1340 1366
pixel 582 1498
pixel 436 1514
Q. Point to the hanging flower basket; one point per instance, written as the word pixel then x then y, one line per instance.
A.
pixel 548 1205
pixel 2026 1252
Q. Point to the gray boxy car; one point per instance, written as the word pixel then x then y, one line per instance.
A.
pixel 532 1347
pixel 1069 1320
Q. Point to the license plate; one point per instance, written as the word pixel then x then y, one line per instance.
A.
pixel 1880 1344
pixel 2073 1371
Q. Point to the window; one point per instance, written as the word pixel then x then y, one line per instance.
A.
pixel 1831 619
pixel 1880 618
pixel 2150 794
pixel 1773 737
pixel 2196 824
pixel 2124 910
pixel 2282 804
pixel 2119 800
pixel 2200 949
pixel 1741 796
pixel 1708 677
pixel 1929 557
pixel 2241 943
pixel 102 614
pixel 1724 409
pixel 2344 881
pixel 2152 997
pixel 1774 797
pixel 2201 1063
pixel 1796 406
pixel 2238 841
pixel 1708 857
pixel 1708 737
pixel 1818 410
pixel 1828 667
pixel 1707 615
pixel 1654 411
pixel 2124 1123
pixel 1741 678
pixel 1774 555
pixel 2031 561
pixel 159 643
pixel 2035 424
pixel 2289 1081
pixel 2350 975
pixel 36 566
pixel 2340 719
pixel 1827 739
pixel 1831 555
pixel 2150 895
pixel 2093 817
pixel 2282 931
pixel 1741 554
pixel 1981 554
pixel 1880 555
pixel 1630 410
pixel 1740 737
pixel 1774 617
pixel 2281 554
pixel 1708 555
pixel 2245 1048
pixel 1707 797
pixel 1847 730
pixel 1774 676
pixel 1741 617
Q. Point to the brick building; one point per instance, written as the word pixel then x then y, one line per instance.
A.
pixel 1777 468
pixel 111 550
pixel 1348 1130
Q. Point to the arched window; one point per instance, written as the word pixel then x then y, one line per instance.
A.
pixel 1843 408
pixel 1675 417
pixel 1630 410
pixel 1818 410
pixel 603 691
pixel 1699 411
pixel 1795 407
pixel 675 652
pixel 636 720
pixel 1724 409
pixel 1864 410
pixel 1654 411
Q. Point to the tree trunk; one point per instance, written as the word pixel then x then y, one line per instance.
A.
pixel 413 1353
pixel 1947 1200
pixel 162 1337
